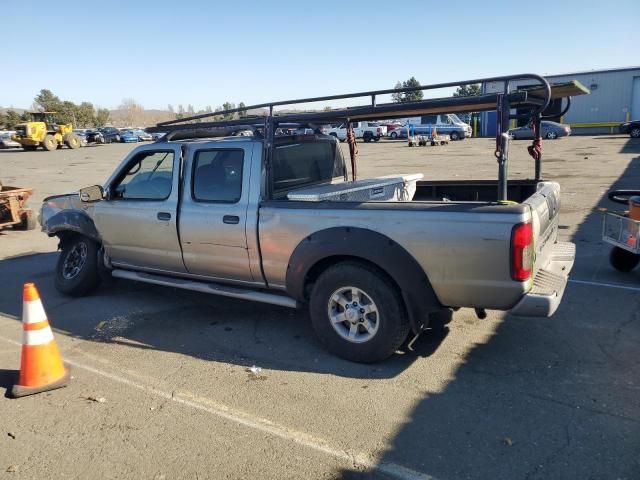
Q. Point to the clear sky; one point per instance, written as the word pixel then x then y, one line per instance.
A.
pixel 205 52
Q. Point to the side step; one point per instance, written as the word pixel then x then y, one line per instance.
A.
pixel 205 287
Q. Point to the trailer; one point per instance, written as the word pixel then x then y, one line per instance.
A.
pixel 13 208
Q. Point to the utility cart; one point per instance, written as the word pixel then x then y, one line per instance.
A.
pixel 13 208
pixel 622 230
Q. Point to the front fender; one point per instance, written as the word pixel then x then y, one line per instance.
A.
pixel 377 249
pixel 71 221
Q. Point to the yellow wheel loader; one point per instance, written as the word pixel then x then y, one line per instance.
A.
pixel 43 131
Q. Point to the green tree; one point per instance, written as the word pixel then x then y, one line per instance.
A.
pixel 102 117
pixel 242 113
pixel 12 118
pixel 48 101
pixel 402 97
pixel 3 120
pixel 228 106
pixel 468 90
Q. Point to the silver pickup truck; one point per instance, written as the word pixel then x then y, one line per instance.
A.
pixel 372 259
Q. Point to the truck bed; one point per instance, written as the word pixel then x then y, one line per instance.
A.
pixel 472 190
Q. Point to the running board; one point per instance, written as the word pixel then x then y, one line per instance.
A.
pixel 205 287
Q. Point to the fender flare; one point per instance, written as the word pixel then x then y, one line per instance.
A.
pixel 71 221
pixel 373 247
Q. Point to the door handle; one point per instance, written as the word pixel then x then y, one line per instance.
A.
pixel 231 219
pixel 164 216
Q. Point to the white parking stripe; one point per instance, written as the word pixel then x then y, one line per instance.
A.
pixel 257 423
pixel 606 285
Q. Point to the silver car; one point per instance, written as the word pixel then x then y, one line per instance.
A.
pixel 7 142
pixel 550 130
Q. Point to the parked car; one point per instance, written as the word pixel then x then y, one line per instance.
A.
pixel 376 131
pixel 238 227
pixel 143 136
pixel 157 136
pixel 129 136
pixel 108 134
pixel 7 142
pixel 550 130
pixel 448 124
pixel 632 128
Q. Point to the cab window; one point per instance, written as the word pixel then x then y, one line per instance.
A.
pixel 148 177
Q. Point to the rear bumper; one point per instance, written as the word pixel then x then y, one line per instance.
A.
pixel 548 285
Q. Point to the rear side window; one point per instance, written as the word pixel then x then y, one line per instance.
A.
pixel 305 163
pixel 217 176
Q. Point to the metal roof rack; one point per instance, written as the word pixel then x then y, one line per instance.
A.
pixel 535 97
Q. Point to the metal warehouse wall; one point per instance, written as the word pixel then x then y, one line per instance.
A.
pixel 610 100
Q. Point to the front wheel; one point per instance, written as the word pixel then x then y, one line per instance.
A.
pixel 454 136
pixel 77 271
pixel 394 135
pixel 635 132
pixel 50 143
pixel 358 313
pixel 552 135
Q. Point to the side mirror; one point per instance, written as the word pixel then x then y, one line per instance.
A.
pixel 91 194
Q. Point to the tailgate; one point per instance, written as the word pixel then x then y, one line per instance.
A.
pixel 545 211
pixel 553 259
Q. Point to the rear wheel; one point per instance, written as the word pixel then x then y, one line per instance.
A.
pixel 29 148
pixel 623 260
pixel 49 143
pixel 635 132
pixel 552 135
pixel 77 271
pixel 454 136
pixel 72 141
pixel 394 135
pixel 358 313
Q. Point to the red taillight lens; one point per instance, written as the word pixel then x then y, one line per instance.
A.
pixel 522 252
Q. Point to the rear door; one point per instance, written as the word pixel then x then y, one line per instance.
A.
pixel 137 221
pixel 213 214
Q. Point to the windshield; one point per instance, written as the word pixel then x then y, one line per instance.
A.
pixel 454 118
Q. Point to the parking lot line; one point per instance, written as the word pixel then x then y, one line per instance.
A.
pixel 606 285
pixel 256 423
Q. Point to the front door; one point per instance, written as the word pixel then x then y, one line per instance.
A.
pixel 138 221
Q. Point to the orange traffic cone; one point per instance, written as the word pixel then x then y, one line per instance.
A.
pixel 41 367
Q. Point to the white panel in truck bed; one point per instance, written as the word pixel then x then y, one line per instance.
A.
pixel 391 188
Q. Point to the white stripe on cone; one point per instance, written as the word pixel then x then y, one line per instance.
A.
pixel 37 337
pixel 33 311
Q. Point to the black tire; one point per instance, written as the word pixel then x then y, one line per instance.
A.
pixel 376 139
pixel 454 136
pixel 30 148
pixel 551 135
pixel 623 260
pixel 49 143
pixel 27 221
pixel 393 135
pixel 72 141
pixel 635 132
pixel 392 322
pixel 87 277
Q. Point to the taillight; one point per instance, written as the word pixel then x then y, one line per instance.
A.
pixel 522 252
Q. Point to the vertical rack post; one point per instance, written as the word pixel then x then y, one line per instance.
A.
pixel 502 141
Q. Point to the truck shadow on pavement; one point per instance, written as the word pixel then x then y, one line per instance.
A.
pixel 203 326
pixel 543 398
